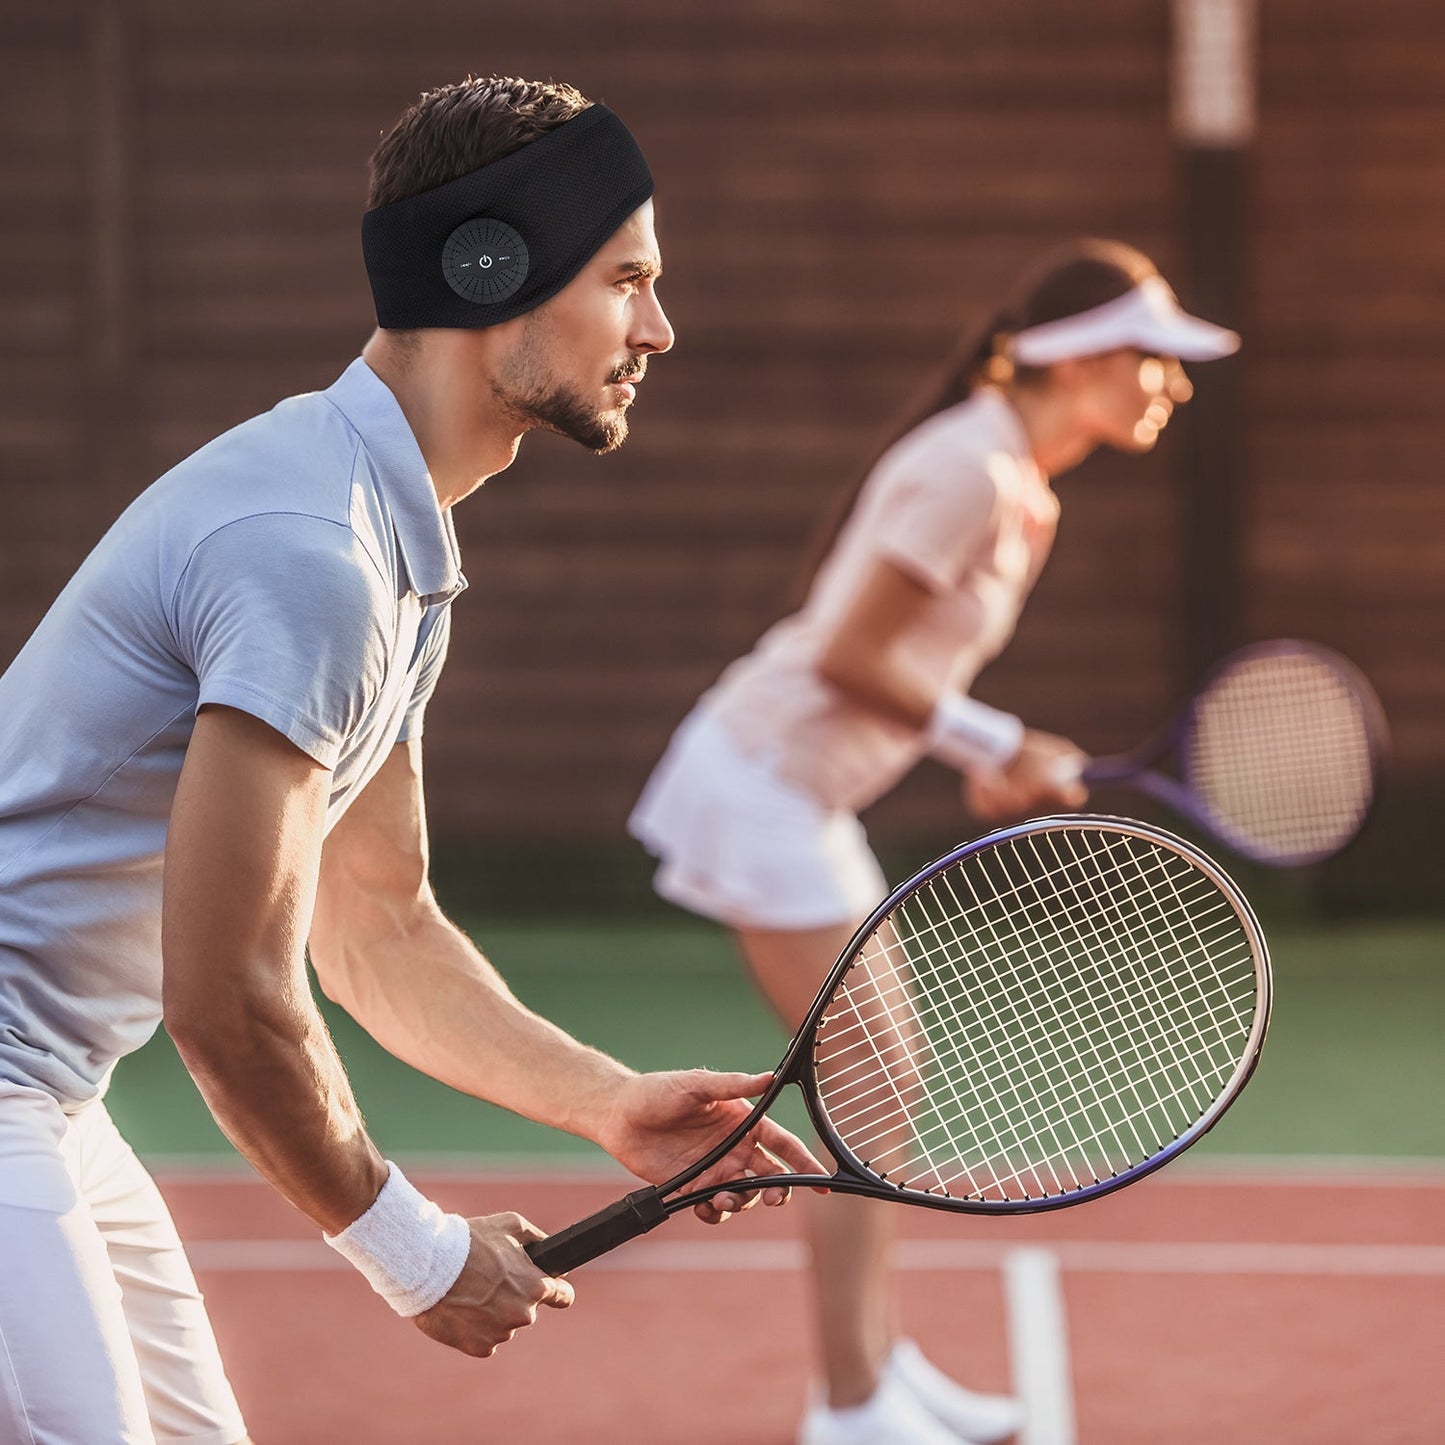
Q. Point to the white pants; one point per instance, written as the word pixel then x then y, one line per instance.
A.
pixel 737 844
pixel 103 1335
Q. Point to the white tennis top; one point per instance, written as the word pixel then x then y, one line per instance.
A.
pixel 959 504
pixel 298 568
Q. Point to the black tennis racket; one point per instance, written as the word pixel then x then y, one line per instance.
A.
pixel 1278 754
pixel 1038 1018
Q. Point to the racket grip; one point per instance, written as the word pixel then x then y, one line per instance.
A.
pixel 598 1233
pixel 1124 768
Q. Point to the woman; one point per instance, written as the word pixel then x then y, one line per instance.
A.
pixel 752 812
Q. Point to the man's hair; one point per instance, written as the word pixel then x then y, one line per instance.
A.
pixel 457 129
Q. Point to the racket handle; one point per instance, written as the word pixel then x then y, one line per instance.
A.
pixel 598 1233
pixel 1123 768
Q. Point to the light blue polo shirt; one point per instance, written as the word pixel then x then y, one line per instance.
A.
pixel 298 568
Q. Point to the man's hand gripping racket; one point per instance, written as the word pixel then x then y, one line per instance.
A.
pixel 1034 1020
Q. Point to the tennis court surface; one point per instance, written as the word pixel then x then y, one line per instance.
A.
pixel 1284 1283
pixel 1295 1308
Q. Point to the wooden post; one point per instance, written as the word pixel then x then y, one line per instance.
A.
pixel 1212 98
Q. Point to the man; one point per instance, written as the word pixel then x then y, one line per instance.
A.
pixel 212 759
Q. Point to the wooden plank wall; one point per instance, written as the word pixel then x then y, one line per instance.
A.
pixel 1347 534
pixel 841 187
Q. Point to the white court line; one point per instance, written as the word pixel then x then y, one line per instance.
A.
pixel 1105 1257
pixel 1038 1342
pixel 648 1256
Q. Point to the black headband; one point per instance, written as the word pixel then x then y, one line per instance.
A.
pixel 500 240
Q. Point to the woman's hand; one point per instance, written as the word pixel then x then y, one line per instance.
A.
pixel 1046 773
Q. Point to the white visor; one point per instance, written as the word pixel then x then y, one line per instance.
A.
pixel 1148 317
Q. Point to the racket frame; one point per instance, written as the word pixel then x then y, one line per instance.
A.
pixel 854 1177
pixel 645 1208
pixel 1139 770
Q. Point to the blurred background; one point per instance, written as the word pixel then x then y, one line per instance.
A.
pixel 841 187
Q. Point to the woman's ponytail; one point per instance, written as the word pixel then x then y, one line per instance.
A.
pixel 1076 278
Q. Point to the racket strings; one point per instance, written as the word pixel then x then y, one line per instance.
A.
pixel 1092 1095
pixel 1085 1064
pixel 871 1064
pixel 1038 1017
pixel 1089 1054
pixel 1104 1060
pixel 1283 753
pixel 989 1027
pixel 1184 1041
pixel 1092 1066
pixel 943 1000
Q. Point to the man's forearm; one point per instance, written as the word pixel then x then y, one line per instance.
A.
pixel 427 995
pixel 270 1075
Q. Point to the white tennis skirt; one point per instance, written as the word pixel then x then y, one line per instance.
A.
pixel 737 844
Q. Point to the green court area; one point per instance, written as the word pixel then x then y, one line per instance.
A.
pixel 1354 1065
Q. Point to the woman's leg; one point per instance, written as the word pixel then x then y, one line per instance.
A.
pixel 850 1237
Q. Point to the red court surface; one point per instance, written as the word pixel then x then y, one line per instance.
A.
pixel 1201 1308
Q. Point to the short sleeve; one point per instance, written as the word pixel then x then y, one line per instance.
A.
pixel 434 656
pixel 940 508
pixel 282 616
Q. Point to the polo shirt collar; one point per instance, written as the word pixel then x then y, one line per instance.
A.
pixel 425 536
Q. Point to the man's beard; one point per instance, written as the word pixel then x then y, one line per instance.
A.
pixel 564 412
pixel 538 399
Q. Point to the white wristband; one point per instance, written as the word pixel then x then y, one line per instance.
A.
pixel 410 1252
pixel 966 734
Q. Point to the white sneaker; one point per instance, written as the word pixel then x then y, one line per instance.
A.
pixel 978 1419
pixel 891 1416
